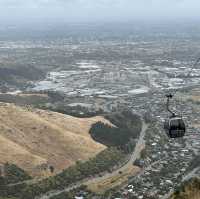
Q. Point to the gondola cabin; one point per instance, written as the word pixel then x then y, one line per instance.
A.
pixel 175 127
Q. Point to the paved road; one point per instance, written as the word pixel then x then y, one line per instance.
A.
pixel 134 156
pixel 190 175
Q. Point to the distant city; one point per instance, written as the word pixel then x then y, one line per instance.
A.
pixel 108 68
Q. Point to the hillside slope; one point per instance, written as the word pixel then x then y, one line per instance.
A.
pixel 36 139
pixel 189 190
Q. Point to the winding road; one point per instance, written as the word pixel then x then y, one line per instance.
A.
pixel 135 155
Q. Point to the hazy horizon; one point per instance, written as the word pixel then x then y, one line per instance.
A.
pixel 26 11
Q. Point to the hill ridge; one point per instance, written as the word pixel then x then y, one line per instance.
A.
pixel 45 138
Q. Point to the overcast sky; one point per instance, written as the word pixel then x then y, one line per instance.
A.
pixel 91 10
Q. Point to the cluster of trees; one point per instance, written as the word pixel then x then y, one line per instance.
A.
pixel 17 75
pixel 78 111
pixel 110 136
pixel 127 127
pixel 14 174
pixel 104 161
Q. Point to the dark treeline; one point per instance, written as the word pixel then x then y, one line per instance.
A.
pixel 104 161
pixel 127 127
pixel 110 136
pixel 13 174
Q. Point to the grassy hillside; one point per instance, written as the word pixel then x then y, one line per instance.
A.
pixel 190 190
pixel 37 140
pixel 78 142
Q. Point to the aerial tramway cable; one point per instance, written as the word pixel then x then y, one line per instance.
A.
pixel 174 125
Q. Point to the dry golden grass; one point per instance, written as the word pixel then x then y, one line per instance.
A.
pixel 189 195
pixel 10 150
pixel 32 95
pixel 113 181
pixel 190 191
pixel 30 138
pixel 195 98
